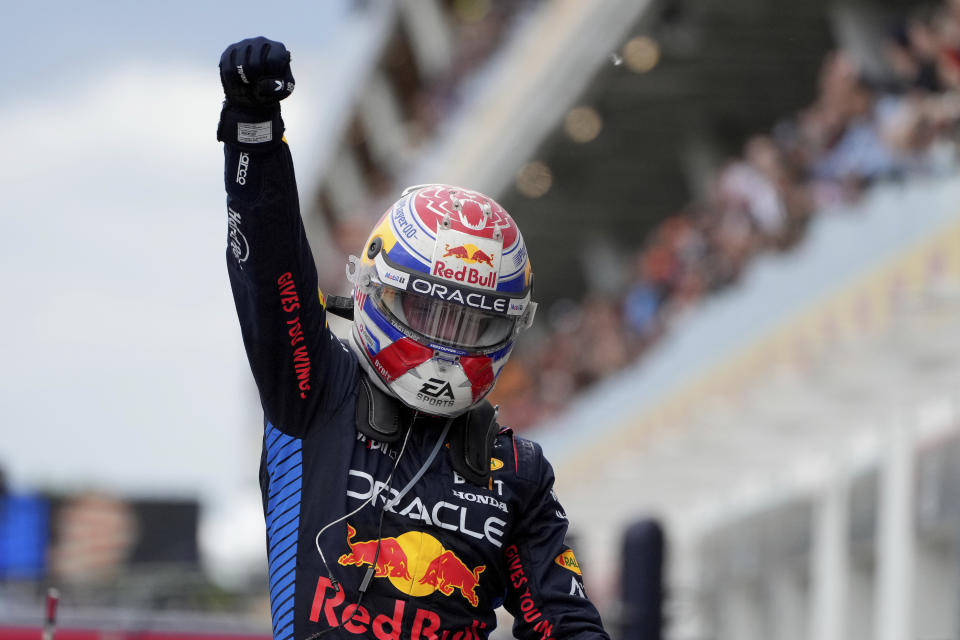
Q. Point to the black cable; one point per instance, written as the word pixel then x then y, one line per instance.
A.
pixel 373 496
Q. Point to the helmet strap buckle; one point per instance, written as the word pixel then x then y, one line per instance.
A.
pixel 526 321
pixel 356 274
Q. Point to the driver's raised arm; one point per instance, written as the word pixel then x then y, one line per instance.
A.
pixel 298 364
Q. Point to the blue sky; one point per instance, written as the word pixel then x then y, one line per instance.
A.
pixel 51 48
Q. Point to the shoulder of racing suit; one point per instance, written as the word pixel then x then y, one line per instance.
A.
pixel 526 454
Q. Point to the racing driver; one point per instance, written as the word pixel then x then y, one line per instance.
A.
pixel 395 505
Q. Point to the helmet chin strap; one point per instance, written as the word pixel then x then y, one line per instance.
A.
pixel 341 306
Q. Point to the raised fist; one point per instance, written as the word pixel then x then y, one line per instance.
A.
pixel 256 72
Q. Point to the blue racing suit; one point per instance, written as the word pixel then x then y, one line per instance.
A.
pixel 449 552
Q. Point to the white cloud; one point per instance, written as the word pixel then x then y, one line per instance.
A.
pixel 124 366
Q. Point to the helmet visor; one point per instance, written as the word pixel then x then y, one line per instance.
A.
pixel 444 322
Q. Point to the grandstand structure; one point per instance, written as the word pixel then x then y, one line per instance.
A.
pixel 487 100
pixel 796 434
pixel 803 462
pixel 450 96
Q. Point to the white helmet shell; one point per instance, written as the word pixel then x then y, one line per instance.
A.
pixel 440 292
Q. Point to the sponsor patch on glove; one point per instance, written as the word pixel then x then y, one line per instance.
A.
pixel 254 132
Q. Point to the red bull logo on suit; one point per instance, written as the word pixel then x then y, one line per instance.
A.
pixel 404 621
pixel 391 559
pixel 416 564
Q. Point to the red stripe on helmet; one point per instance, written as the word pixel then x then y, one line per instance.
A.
pixel 401 356
pixel 479 371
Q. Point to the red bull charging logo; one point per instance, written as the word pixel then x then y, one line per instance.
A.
pixel 416 564
pixel 470 275
pixel 466 258
pixel 468 253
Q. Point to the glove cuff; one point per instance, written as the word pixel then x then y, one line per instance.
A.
pixel 250 128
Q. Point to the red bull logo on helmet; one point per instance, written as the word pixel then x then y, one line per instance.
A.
pixel 416 564
pixel 465 275
pixel 472 260
pixel 468 253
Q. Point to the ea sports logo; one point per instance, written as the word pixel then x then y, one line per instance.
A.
pixel 437 393
pixel 436 388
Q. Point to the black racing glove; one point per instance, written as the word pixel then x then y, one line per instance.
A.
pixel 256 76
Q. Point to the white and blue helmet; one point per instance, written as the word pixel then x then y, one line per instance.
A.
pixel 441 291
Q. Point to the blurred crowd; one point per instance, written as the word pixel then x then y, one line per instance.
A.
pixel 478 29
pixel 858 130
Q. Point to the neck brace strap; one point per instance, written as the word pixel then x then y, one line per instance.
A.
pixel 382 417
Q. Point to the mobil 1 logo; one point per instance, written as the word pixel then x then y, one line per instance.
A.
pixel 439 393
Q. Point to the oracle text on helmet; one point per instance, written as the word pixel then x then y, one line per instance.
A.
pixel 450 294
